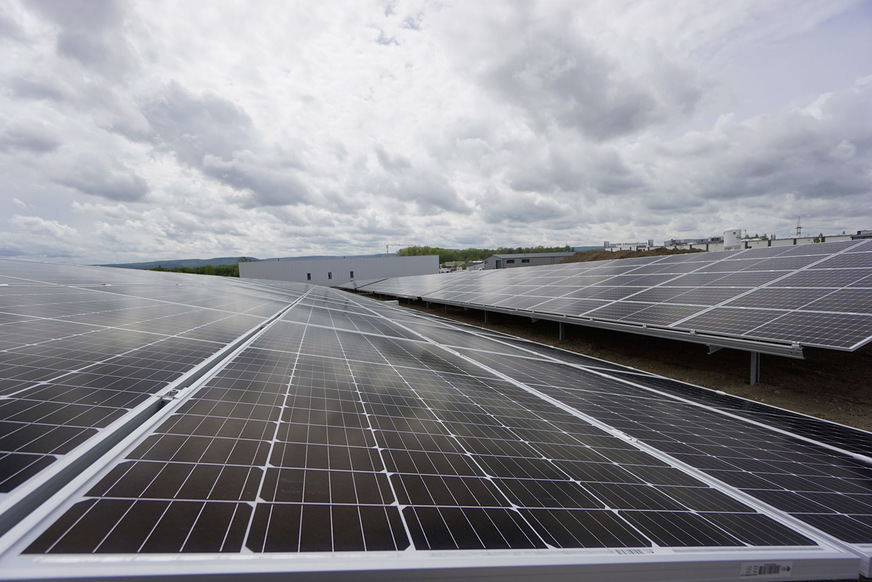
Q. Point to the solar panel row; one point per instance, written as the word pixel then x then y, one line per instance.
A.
pixel 76 360
pixel 808 295
pixel 350 428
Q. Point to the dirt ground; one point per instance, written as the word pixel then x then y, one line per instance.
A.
pixel 827 384
pixel 585 256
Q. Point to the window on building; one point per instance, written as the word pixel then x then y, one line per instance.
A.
pixel 329 274
pixel 308 276
pixel 351 274
pixel 510 261
pixel 525 260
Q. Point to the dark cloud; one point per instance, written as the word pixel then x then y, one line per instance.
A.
pixel 32 137
pixel 597 169
pixel 431 194
pixel 267 186
pixel 92 33
pixel 389 162
pixel 428 190
pixel 412 23
pixel 822 151
pixel 522 208
pixel 386 40
pixel 9 27
pixel 558 79
pixel 763 172
pixel 193 126
pixel 35 89
pixel 218 138
pixel 103 176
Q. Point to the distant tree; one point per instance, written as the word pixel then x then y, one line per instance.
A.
pixel 473 254
pixel 221 270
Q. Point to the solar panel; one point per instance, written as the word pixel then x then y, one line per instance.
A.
pixel 350 439
pixel 89 357
pixel 758 297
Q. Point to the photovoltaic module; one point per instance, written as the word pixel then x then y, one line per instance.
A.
pixel 156 424
pixel 761 299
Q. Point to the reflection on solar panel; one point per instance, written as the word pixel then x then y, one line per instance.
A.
pixel 183 425
pixel 765 300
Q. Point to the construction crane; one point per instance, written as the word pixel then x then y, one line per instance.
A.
pixel 389 245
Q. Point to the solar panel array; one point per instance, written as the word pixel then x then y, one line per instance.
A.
pixel 811 295
pixel 336 434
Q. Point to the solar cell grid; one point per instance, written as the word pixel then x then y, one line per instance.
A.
pixel 845 261
pixel 503 456
pixel 40 330
pixel 612 293
pixel 731 320
pixel 664 315
pixel 748 278
pixel 654 267
pixel 618 310
pixel 90 376
pixel 829 248
pixel 658 294
pixel 731 265
pixel 782 263
pixel 517 302
pixel 834 330
pixel 571 306
pixel 775 298
pixel 336 432
pixel 843 301
pixel 722 275
pixel 706 295
pixel 777 462
pixel 826 278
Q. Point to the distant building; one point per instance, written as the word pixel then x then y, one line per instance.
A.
pixel 336 271
pixel 628 246
pixel 673 242
pixel 717 243
pixel 523 260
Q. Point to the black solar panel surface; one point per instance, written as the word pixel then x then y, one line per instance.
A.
pixel 349 425
pixel 73 360
pixel 810 295
pixel 330 434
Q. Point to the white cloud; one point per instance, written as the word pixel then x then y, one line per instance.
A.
pixel 38 226
pixel 139 130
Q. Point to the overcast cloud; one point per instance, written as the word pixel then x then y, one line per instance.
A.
pixel 158 130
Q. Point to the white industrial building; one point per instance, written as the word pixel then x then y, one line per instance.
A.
pixel 735 242
pixel 336 271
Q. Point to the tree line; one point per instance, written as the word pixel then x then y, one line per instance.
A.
pixel 220 270
pixel 473 254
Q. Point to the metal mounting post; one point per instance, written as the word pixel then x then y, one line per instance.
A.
pixel 561 332
pixel 755 367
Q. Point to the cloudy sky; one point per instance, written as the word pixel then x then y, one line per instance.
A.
pixel 147 130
